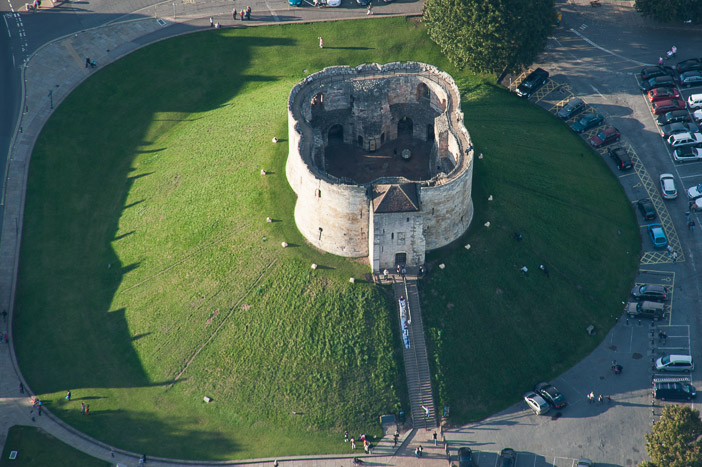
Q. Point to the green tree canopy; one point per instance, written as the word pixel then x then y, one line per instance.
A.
pixel 673 441
pixel 490 35
pixel 667 11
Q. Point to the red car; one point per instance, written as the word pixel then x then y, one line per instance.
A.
pixel 659 94
pixel 667 105
pixel 605 136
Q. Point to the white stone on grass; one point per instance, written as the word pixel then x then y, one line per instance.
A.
pixel 442 266
pixel 269 220
pixel 487 224
pixel 207 399
pixel 490 198
pixel 263 172
pixel 467 247
pixel 352 280
pixel 285 244
pixel 314 266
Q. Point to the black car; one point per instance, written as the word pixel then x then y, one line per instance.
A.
pixel 688 65
pixel 621 158
pixel 678 127
pixel 657 82
pixel 551 395
pixel 465 457
pixel 674 117
pixel 690 78
pixel 508 458
pixel 571 108
pixel 653 71
pixel 651 292
pixel 646 208
pixel 532 82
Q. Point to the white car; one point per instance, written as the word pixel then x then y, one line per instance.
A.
pixel 333 3
pixel 685 139
pixel 695 192
pixel 668 189
pixel 536 403
pixel 687 154
pixel 697 115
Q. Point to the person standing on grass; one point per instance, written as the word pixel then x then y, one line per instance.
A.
pixel 68 395
pixel 321 42
pixel 353 443
pixel 82 408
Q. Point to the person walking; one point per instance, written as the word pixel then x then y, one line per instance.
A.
pixel 353 443
pixel 211 22
pixel 82 408
pixel 321 42
pixel 370 9
pixel 435 438
pixel 234 14
pixel 68 395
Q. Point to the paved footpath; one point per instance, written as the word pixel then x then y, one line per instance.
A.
pixel 51 73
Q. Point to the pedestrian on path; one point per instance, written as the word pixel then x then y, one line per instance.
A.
pixel 435 438
pixel 691 225
pixel 7 338
pixel 211 22
pixel 248 13
pixel 395 438
pixel 600 399
pixel 370 9
pixel 234 14
pixel 675 256
pixel 421 450
pixel 241 14
pixel 21 388
pixel 670 250
pixel 321 46
pixel 4 316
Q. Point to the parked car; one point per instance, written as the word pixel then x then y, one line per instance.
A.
pixel 694 101
pixel 668 190
pixel 334 3
pixel 658 94
pixel 696 205
pixel 685 139
pixel 657 235
pixel 584 462
pixel 673 117
pixel 649 292
pixel 697 115
pixel 691 78
pixel 536 403
pixel 363 2
pixel 465 457
pixel 621 158
pixel 531 83
pixel 571 108
pixel 667 105
pixel 682 363
pixel 694 192
pixel 605 136
pixel 657 82
pixel 646 208
pixel 678 127
pixel 507 458
pixel 688 65
pixel 652 310
pixel 653 71
pixel 551 394
pixel 687 154
pixel 673 390
pixel 586 122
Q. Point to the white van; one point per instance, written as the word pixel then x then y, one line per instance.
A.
pixel 694 101
pixel 675 363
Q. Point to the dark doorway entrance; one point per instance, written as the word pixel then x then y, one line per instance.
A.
pixel 404 127
pixel 400 259
pixel 336 134
pixel 430 132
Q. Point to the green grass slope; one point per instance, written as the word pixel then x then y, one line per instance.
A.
pixel 36 448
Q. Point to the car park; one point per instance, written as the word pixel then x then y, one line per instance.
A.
pixel 685 139
pixel 571 108
pixel 688 65
pixel 673 117
pixel 673 390
pixel 531 83
pixel 678 127
pixel 668 189
pixel 667 105
pixel 653 71
pixel 694 101
pixel 682 363
pixel 552 395
pixel 649 292
pixel 687 154
pixel 694 192
pixel 690 78
pixel 621 158
pixel 657 235
pixel 658 82
pixel 587 121
pixel 605 136
pixel 507 458
pixel 536 403
pixel 645 309
pixel 465 457
pixel 646 209
pixel 658 94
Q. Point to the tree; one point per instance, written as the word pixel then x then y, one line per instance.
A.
pixel 490 35
pixel 673 441
pixel 667 11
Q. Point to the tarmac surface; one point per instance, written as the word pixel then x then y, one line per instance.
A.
pixel 597 50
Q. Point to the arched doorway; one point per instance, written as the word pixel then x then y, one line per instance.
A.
pixel 336 134
pixel 404 127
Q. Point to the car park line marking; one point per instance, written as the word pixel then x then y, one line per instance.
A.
pixel 548 87
pixel 690 176
pixel 606 50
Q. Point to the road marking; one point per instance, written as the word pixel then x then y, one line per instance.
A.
pixel 597 91
pixel 8 26
pixel 272 12
pixel 605 50
pixel 74 54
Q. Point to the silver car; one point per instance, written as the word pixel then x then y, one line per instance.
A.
pixel 536 403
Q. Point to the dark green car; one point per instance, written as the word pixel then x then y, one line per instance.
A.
pixel 587 121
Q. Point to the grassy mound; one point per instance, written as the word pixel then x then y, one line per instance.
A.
pixel 149 277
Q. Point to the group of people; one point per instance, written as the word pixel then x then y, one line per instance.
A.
pixel 243 14
pixel 600 398
pixel 404 322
